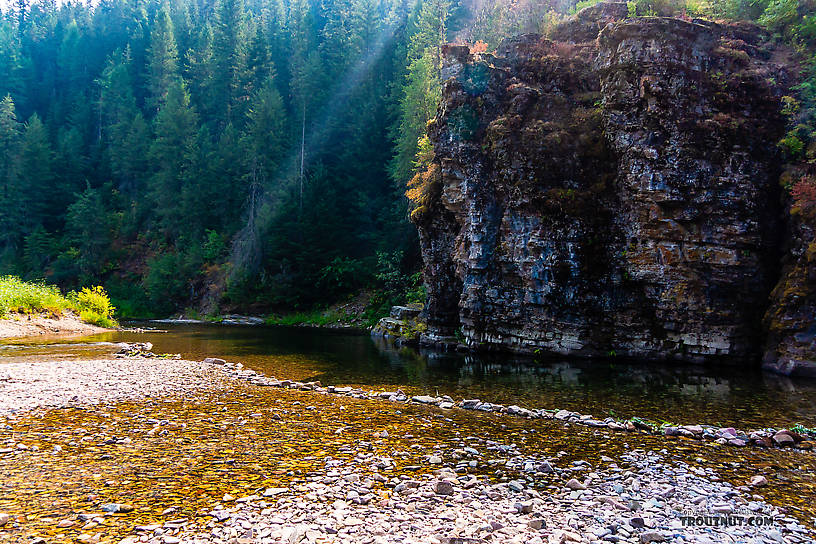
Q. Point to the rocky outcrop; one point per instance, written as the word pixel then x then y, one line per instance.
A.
pixel 403 324
pixel 613 196
pixel 791 317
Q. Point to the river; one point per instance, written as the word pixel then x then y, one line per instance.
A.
pixel 744 397
pixel 242 438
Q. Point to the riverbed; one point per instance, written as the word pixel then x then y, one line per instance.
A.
pixel 180 455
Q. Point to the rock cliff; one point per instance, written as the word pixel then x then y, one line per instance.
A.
pixel 614 192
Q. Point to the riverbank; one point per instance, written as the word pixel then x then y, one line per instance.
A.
pixel 175 452
pixel 640 498
pixel 360 313
pixel 67 323
pixel 798 437
pixel 64 384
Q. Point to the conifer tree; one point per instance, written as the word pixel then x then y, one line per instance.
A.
pixel 162 60
pixel 422 90
pixel 9 143
pixel 35 177
pixel 230 79
pixel 170 152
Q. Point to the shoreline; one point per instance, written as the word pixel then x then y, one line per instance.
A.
pixel 35 325
pixel 258 321
pixel 29 386
pixel 798 439
pixel 368 496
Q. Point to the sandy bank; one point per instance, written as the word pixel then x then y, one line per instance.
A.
pixel 39 325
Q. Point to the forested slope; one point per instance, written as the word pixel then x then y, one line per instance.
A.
pixel 242 154
pixel 186 152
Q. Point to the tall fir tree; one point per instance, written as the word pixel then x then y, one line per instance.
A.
pixel 230 80
pixel 421 92
pixel 9 207
pixel 162 60
pixel 36 197
pixel 175 129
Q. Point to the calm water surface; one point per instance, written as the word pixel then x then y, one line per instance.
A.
pixel 739 396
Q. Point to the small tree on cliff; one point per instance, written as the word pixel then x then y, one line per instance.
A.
pixel 421 92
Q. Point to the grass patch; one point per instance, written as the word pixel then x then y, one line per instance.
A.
pixel 317 318
pixel 22 297
pixel 18 296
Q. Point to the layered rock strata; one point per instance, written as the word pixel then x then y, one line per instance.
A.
pixel 612 193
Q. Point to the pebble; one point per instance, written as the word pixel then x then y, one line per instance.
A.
pixel 116 508
pixel 412 513
pixel 443 487
pixel 68 382
pixel 272 491
pixel 575 485
pixel 757 481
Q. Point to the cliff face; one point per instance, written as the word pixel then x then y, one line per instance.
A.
pixel 615 192
pixel 791 318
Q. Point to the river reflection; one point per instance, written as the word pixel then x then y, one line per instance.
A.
pixel 741 396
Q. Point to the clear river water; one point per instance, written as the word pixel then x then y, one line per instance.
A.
pixel 240 439
pixel 745 397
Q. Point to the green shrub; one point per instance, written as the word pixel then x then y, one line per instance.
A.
pixel 791 146
pixel 779 14
pixel 93 318
pixel 166 282
pixel 94 306
pixel 316 317
pixel 583 4
pixel 417 293
pixel 213 247
pixel 653 8
pixel 342 276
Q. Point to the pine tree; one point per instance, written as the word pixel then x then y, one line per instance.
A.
pixel 123 129
pixel 200 73
pixel 265 133
pixel 117 102
pixel 422 90
pixel 87 228
pixel 304 70
pixel 9 144
pixel 35 181
pixel 162 60
pixel 230 80
pixel 259 62
pixel 431 31
pixel 175 131
pixel 127 157
pixel 70 176
pixel 10 57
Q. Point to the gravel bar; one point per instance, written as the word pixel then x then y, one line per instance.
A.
pixel 55 384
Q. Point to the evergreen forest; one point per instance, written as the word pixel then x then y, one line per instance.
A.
pixel 248 155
